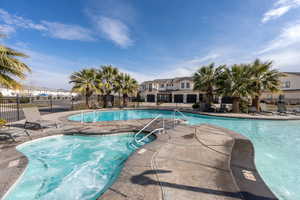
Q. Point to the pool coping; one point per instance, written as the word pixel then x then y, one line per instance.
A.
pixel 212 114
pixel 249 189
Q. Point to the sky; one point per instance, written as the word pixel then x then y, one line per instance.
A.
pixel 148 39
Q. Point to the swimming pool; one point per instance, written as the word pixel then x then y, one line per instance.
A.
pixel 71 167
pixel 276 143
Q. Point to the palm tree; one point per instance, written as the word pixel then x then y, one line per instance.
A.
pixel 107 81
pixel 129 87
pixel 205 79
pixel 263 78
pixel 11 68
pixel 235 82
pixel 119 86
pixel 85 82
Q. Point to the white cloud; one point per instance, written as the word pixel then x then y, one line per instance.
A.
pixel 53 29
pixel 289 35
pixel 18 21
pixel 6 29
pixel 280 8
pixel 114 30
pixel 67 32
pixel 285 60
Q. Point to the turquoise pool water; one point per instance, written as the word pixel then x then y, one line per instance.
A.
pixel 276 143
pixel 71 167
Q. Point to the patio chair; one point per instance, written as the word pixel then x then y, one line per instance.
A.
pixel 264 110
pixel 11 132
pixel 34 118
pixel 296 111
pixel 283 110
pixel 252 110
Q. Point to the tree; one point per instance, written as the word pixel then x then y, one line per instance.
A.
pixel 205 79
pixel 235 82
pixel 11 68
pixel 85 82
pixel 107 81
pixel 129 87
pixel 263 78
pixel 119 86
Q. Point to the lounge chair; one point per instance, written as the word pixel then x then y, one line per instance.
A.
pixel 252 110
pixel 283 110
pixel 296 111
pixel 264 110
pixel 11 132
pixel 34 118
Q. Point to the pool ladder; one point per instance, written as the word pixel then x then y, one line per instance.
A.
pixel 177 120
pixel 135 144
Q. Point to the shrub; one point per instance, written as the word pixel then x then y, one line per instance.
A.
pixel 196 106
pixel 2 122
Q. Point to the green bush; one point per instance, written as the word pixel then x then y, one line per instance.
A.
pixel 196 106
pixel 2 122
pixel 24 100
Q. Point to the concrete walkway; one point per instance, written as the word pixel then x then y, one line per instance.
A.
pixel 188 163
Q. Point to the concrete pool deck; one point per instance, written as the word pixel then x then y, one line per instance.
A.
pixel 189 162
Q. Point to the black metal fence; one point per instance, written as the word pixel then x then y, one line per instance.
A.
pixel 11 107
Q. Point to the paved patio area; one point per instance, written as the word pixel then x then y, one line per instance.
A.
pixel 189 162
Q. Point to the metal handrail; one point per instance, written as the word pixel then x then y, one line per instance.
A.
pixel 155 130
pixel 183 115
pixel 135 136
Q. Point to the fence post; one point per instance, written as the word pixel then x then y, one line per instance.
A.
pixel 51 103
pixel 18 107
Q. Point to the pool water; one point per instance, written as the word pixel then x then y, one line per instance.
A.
pixel 71 167
pixel 276 143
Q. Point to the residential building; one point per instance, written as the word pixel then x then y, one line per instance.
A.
pixel 33 91
pixel 290 89
pixel 174 90
pixel 180 90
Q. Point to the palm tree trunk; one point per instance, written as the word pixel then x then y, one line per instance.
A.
pixel 236 105
pixel 104 101
pixel 120 100
pixel 87 100
pixel 256 102
pixel 125 97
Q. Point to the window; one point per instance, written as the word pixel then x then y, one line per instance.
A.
pixel 287 84
pixel 150 87
pixel 162 86
pixel 187 85
pixel 182 85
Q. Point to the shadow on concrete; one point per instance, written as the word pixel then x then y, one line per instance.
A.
pixel 142 179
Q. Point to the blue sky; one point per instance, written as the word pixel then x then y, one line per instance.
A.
pixel 149 39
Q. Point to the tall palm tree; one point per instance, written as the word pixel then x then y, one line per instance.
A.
pixel 235 82
pixel 263 78
pixel 119 86
pixel 107 81
pixel 11 68
pixel 205 79
pixel 85 82
pixel 129 87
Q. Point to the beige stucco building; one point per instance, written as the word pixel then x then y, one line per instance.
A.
pixel 290 89
pixel 180 90
pixel 174 90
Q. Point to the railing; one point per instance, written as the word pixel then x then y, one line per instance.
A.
pixel 147 125
pixel 152 132
pixel 175 119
